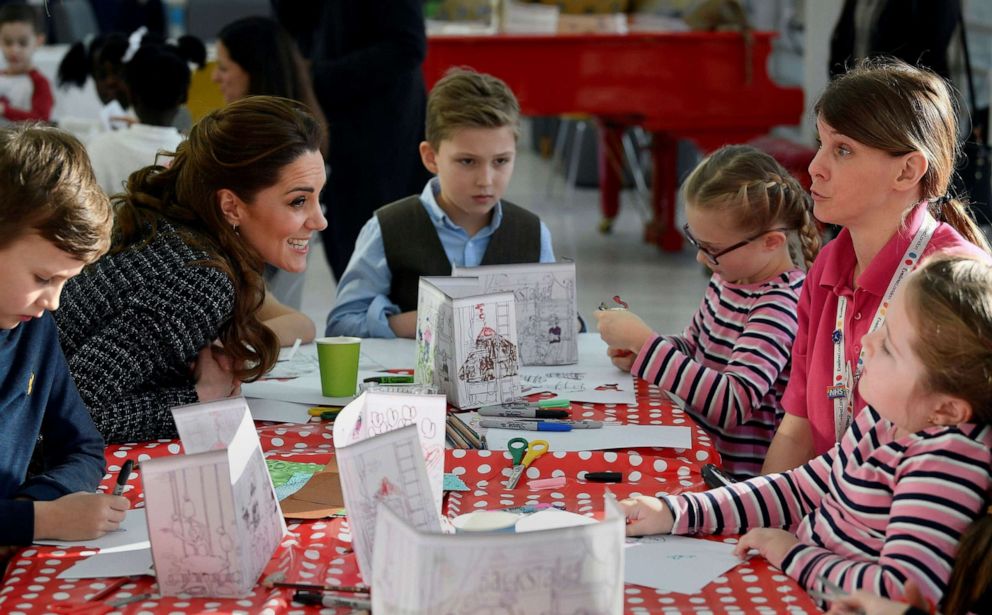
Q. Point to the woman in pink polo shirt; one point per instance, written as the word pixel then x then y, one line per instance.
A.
pixel 888 142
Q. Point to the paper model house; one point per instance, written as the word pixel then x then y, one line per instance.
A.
pixel 213 517
pixel 546 307
pixel 467 341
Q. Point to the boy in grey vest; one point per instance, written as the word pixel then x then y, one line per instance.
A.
pixel 458 219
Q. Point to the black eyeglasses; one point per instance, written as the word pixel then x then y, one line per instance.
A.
pixel 711 257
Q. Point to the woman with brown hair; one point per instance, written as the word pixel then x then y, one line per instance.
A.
pixel 255 56
pixel 888 144
pixel 176 313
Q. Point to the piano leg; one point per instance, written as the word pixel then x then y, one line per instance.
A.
pixel 664 184
pixel 610 159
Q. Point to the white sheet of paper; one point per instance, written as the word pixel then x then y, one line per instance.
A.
pixel 132 535
pixel 383 354
pixel 115 564
pixel 281 411
pixel 302 390
pixel 386 468
pixel 575 569
pixel 609 436
pixel 578 382
pixel 551 519
pixel 677 563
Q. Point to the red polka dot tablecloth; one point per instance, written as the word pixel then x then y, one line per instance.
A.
pixel 319 552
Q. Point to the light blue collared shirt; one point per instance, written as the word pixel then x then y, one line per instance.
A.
pixel 363 307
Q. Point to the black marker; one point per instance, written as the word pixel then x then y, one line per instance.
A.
pixel 604 477
pixel 122 477
pixel 714 477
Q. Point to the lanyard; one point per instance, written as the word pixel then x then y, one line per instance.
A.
pixel 841 389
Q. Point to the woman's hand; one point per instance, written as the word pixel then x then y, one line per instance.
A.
pixel 647 515
pixel 622 329
pixel 772 544
pixel 214 374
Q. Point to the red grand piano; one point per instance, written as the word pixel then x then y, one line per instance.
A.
pixel 709 87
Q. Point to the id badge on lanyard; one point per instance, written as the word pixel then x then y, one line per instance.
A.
pixel 845 379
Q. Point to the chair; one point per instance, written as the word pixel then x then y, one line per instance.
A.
pixel 72 20
pixel 205 18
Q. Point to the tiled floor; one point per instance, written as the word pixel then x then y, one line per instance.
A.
pixel 664 289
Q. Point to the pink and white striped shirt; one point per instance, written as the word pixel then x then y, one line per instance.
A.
pixel 731 365
pixel 870 514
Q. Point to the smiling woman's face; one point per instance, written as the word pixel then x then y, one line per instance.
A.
pixel 280 219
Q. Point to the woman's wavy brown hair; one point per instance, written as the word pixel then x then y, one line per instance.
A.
pixel 241 147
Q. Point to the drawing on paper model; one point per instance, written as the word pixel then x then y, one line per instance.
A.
pixel 493 357
pixel 546 308
pixel 203 557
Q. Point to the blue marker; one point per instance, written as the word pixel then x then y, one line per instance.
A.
pixel 525 425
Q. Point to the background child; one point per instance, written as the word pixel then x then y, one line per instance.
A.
pixel 731 364
pixel 890 501
pixel 157 80
pixel 459 218
pixel 53 220
pixel 25 94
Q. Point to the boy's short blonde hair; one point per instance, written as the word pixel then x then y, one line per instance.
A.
pixel 464 98
pixel 47 186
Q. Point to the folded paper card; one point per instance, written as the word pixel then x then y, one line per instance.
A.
pixel 577 569
pixel 545 303
pixel 390 446
pixel 213 518
pixel 467 342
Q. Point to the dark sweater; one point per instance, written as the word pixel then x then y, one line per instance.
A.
pixel 413 248
pixel 38 397
pixel 131 326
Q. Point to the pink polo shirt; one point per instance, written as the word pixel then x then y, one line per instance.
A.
pixel 830 278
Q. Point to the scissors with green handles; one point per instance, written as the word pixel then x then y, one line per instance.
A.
pixel 523 453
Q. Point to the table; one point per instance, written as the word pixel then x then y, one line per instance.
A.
pixel 320 552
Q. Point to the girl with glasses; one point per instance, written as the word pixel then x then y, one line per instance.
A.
pixel 752 225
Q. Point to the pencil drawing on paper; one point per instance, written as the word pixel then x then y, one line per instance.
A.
pixel 199 556
pixel 546 307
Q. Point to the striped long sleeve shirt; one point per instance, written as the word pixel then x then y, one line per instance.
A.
pixel 873 512
pixel 731 365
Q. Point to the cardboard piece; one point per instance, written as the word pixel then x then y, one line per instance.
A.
pixel 320 497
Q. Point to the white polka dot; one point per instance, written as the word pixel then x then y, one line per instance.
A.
pixel 660 465
pixel 484 468
pixel 458 471
pixel 277 442
pixel 484 453
pixel 173 448
pixel 634 476
pixel 702 455
pixel 635 460
pixel 585 455
pixel 609 456
pixel 458 453
pixel 60 596
pixel 533 472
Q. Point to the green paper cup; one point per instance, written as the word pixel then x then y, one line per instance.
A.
pixel 338 358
